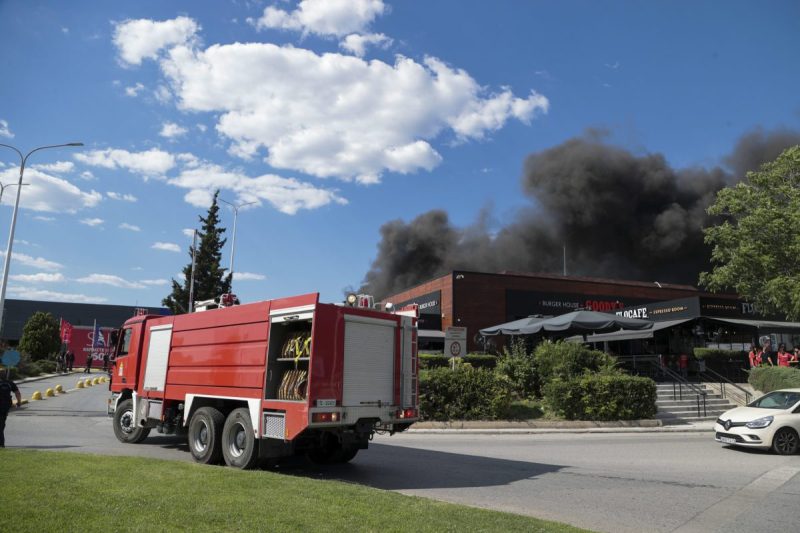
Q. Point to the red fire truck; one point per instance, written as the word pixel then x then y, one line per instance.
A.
pixel 266 380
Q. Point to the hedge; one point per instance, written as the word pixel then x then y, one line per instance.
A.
pixel 568 360
pixel 462 394
pixel 479 360
pixel 428 361
pixel 770 378
pixel 602 397
pixel 717 354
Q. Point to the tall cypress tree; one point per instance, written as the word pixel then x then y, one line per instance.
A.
pixel 210 280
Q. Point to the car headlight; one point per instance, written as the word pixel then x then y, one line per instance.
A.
pixel 760 422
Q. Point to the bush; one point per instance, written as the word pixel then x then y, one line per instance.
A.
pixel 568 360
pixel 716 354
pixel 597 396
pixel 517 367
pixel 479 360
pixel 462 394
pixel 47 366
pixel 770 378
pixel 428 361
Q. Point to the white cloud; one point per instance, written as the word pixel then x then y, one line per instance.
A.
pixel 162 94
pixel 336 115
pixel 41 277
pixel 26 293
pixel 171 130
pixel 87 175
pixel 93 222
pixel 44 219
pixel 155 282
pixel 153 162
pixel 357 43
pixel 188 232
pixel 4 131
pixel 129 227
pixel 48 193
pixel 35 262
pixel 166 246
pixel 324 17
pixel 143 39
pixel 108 279
pixel 121 197
pixel 248 276
pixel 59 167
pixel 285 194
pixel 134 90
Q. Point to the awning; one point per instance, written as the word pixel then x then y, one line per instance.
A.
pixel 760 324
pixel 430 333
pixel 625 335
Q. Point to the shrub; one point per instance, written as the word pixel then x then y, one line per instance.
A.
pixel 40 336
pixel 429 361
pixel 568 360
pixel 462 394
pixel 47 366
pixel 479 360
pixel 516 366
pixel 716 354
pixel 597 396
pixel 770 378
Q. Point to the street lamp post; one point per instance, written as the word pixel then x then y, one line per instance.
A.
pixel 4 186
pixel 7 261
pixel 233 240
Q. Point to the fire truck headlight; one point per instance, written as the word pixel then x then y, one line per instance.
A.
pixel 352 298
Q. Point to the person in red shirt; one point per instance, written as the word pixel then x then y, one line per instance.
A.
pixel 783 356
pixel 683 364
pixel 755 356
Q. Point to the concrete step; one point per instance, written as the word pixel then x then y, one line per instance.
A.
pixel 721 404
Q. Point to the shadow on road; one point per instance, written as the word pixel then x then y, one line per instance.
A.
pixel 399 468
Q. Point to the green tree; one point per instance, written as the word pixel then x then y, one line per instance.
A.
pixel 210 279
pixel 40 336
pixel 756 245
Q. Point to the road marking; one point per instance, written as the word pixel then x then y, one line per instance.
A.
pixel 726 511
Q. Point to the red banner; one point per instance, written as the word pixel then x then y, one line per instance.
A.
pixel 66 331
pixel 81 341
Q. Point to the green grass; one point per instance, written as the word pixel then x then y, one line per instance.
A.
pixel 57 491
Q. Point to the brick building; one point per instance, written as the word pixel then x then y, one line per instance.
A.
pixel 478 300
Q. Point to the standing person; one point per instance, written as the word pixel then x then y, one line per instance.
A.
pixel 89 360
pixel 60 363
pixel 796 355
pixel 70 360
pixel 6 388
pixel 683 364
pixel 783 356
pixel 755 356
pixel 105 362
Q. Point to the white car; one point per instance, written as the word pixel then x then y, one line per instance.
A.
pixel 772 421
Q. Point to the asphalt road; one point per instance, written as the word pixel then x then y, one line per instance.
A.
pixel 632 482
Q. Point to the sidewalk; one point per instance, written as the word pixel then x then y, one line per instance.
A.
pixel 558 426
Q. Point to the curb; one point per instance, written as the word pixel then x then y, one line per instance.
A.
pixel 576 431
pixel 533 427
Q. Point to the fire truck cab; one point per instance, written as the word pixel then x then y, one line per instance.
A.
pixel 266 380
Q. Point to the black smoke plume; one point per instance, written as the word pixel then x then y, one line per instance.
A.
pixel 620 216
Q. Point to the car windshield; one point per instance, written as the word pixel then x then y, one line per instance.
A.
pixel 777 400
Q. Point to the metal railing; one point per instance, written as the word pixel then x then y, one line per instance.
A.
pixel 679 383
pixel 716 379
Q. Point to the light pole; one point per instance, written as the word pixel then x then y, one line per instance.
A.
pixel 233 240
pixel 3 187
pixel 7 261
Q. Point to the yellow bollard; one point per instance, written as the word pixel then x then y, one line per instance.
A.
pixel 36 395
pixel 96 381
pixel 88 382
pixel 59 389
pixel 49 393
pixel 79 385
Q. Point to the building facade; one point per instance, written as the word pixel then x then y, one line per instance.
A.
pixel 477 300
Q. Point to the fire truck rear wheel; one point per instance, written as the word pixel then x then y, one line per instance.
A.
pixel 329 451
pixel 347 454
pixel 125 424
pixel 238 441
pixel 205 435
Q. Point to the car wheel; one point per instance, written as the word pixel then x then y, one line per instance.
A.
pixel 785 441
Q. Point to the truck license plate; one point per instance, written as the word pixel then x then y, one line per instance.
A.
pixel 727 440
pixel 326 403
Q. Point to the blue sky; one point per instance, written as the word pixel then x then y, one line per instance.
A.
pixel 336 117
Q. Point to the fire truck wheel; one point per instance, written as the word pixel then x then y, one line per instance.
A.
pixel 205 431
pixel 125 425
pixel 238 442
pixel 347 455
